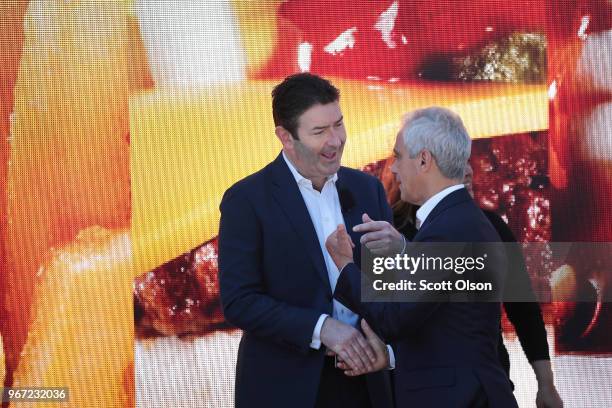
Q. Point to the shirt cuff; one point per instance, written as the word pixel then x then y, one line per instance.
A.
pixel 391 358
pixel 405 243
pixel 316 334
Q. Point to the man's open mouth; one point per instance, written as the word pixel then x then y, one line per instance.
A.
pixel 329 156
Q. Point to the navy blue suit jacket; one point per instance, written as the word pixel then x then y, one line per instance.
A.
pixel 274 282
pixel 446 353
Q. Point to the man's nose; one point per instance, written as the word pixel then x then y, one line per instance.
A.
pixel 336 137
pixel 394 167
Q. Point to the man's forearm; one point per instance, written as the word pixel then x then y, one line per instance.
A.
pixel 266 317
pixel 543 372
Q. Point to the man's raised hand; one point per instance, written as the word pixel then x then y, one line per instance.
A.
pixel 340 247
pixel 379 236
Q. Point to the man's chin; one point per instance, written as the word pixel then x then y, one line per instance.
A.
pixel 331 168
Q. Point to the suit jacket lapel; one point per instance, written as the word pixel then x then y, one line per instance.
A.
pixel 287 193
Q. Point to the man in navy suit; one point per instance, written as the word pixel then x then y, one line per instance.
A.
pixel 275 275
pixel 445 352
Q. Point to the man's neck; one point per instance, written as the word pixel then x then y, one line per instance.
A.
pixel 317 183
pixel 440 185
pixel 433 200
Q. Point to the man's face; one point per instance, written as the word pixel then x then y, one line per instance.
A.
pixel 321 137
pixel 407 174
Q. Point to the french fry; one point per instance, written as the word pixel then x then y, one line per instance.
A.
pixel 11 16
pixel 257 22
pixel 82 335
pixel 69 154
pixel 2 362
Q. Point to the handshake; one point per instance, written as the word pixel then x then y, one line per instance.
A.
pixel 355 353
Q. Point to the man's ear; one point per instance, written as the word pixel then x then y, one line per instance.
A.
pixel 284 136
pixel 426 160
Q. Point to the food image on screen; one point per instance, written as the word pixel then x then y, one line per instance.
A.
pixel 123 123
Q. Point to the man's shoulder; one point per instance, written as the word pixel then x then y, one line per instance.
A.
pixel 248 185
pixel 463 221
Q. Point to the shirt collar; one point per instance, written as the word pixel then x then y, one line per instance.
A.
pixel 423 212
pixel 301 179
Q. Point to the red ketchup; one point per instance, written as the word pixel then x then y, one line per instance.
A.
pixel 390 40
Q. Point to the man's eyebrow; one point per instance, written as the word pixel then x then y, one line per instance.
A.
pixel 325 127
pixel 395 152
pixel 320 127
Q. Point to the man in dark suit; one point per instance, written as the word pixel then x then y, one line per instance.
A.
pixel 445 352
pixel 276 277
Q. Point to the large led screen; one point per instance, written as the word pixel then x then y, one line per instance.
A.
pixel 123 122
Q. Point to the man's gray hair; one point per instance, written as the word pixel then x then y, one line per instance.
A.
pixel 441 132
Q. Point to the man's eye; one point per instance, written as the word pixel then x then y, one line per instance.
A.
pixel 339 124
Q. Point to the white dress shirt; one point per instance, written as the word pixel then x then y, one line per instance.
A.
pixel 427 207
pixel 326 214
